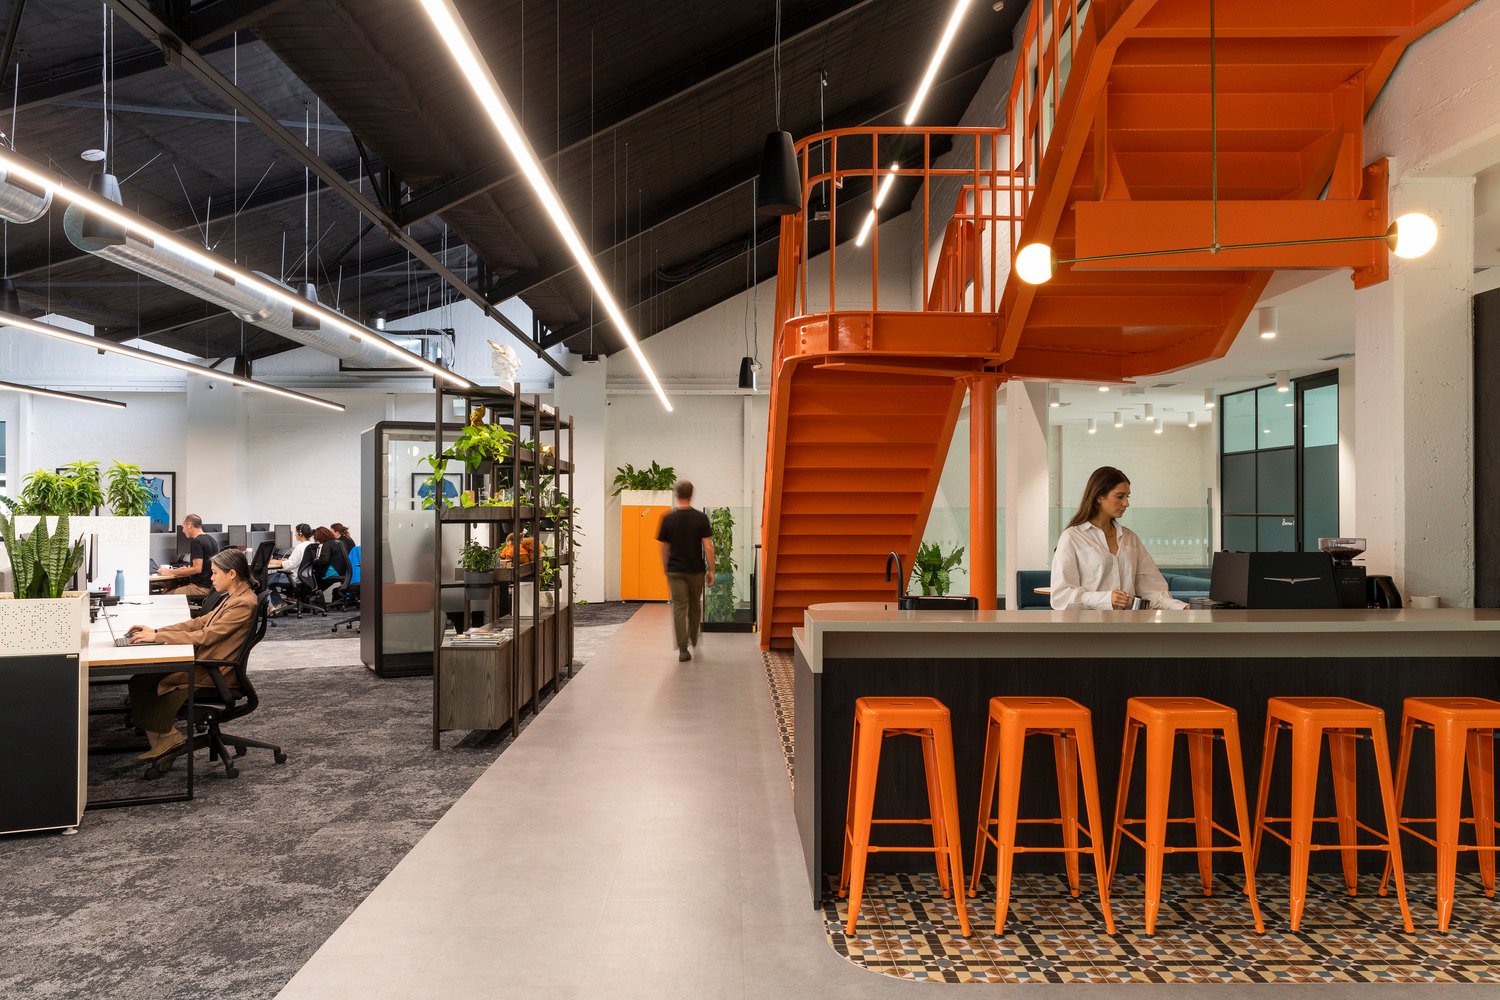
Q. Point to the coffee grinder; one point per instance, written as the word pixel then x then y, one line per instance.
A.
pixel 1348 579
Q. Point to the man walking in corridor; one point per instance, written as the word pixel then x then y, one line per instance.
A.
pixel 687 557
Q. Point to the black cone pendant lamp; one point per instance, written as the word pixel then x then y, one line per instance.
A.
pixel 10 300
pixel 96 228
pixel 747 373
pixel 779 191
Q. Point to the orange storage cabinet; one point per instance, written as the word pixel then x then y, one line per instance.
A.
pixel 641 576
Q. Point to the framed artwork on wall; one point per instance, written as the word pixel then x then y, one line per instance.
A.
pixel 421 490
pixel 162 508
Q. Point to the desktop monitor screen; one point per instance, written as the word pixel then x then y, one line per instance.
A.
pixel 239 536
pixel 260 526
pixel 184 545
pixel 283 536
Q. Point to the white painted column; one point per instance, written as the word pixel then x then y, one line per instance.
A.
pixel 1026 483
pixel 581 398
pixel 1348 484
pixel 1413 422
pixel 215 484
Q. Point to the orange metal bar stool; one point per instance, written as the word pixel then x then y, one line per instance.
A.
pixel 1458 725
pixel 1343 722
pixel 1202 722
pixel 875 719
pixel 1069 725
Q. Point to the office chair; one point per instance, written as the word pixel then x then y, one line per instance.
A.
pixel 306 593
pixel 259 564
pixel 229 699
pixel 351 594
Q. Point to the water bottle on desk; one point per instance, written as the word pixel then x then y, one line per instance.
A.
pixel 119 583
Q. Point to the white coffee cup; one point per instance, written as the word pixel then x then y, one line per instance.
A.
pixel 1425 601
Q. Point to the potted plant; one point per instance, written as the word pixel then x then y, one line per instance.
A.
pixel 648 487
pixel 42 566
pixel 126 494
pixel 547 576
pixel 932 568
pixel 84 494
pixel 478 565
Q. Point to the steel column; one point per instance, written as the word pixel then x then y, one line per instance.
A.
pixel 983 540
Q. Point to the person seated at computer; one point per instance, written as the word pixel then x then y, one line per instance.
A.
pixel 1101 564
pixel 302 538
pixel 196 576
pixel 332 561
pixel 341 532
pixel 218 635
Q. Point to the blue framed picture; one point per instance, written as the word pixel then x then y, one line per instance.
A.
pixel 162 506
pixel 421 489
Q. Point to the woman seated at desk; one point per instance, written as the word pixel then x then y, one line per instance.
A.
pixel 331 564
pixel 218 635
pixel 1100 564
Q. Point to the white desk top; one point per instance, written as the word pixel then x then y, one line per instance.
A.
pixel 153 612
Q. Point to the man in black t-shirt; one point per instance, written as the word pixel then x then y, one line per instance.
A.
pixel 687 557
pixel 197 575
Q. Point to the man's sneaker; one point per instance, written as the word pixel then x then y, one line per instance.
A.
pixel 683 655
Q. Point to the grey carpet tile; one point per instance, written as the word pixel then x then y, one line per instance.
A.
pixel 335 625
pixel 228 895
pixel 596 613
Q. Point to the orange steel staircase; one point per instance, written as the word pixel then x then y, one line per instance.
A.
pixel 1109 152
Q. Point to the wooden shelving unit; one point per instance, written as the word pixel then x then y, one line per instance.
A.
pixel 489 686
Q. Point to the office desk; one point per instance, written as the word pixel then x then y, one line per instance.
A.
pixel 109 662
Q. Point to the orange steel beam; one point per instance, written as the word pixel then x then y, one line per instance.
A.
pixel 1122 227
pixel 1257 18
pixel 983 541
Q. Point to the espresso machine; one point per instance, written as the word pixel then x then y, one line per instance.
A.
pixel 1356 587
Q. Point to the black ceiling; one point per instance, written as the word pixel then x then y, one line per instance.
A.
pixel 659 111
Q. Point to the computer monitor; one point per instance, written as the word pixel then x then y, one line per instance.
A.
pixel 212 529
pixel 260 526
pixel 184 545
pixel 239 536
pixel 283 536
pixel 1278 580
pixel 89 567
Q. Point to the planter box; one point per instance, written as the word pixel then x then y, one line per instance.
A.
pixel 124 544
pixel 43 713
pixel 646 498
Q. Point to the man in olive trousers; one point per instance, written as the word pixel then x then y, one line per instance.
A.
pixel 687 557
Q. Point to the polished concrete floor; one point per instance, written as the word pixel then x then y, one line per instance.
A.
pixel 636 841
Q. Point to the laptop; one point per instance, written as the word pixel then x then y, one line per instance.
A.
pixel 109 622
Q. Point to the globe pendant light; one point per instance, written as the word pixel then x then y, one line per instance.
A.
pixel 778 191
pixel 96 228
pixel 300 320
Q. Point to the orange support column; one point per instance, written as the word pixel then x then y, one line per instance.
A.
pixel 983 541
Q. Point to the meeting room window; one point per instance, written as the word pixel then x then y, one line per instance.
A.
pixel 1279 466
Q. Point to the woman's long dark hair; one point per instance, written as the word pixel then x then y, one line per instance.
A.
pixel 233 561
pixel 1104 479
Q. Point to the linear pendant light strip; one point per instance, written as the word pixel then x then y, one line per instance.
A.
pixel 71 397
pixel 100 344
pixel 465 52
pixel 23 168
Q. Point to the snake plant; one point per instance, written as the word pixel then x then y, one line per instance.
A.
pixel 42 565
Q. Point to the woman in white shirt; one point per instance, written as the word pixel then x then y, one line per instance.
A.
pixel 1100 563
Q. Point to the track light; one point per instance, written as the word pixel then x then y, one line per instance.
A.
pixel 1093 426
pixel 72 397
pixel 100 344
pixel 1054 397
pixel 1159 425
pixel 465 53
pixel 99 207
pixel 1268 324
pixel 949 31
pixel 1283 382
pixel 1119 418
pixel 1209 402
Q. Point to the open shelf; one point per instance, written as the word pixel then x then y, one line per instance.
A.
pixel 487 515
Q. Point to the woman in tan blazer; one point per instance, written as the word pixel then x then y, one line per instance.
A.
pixel 217 635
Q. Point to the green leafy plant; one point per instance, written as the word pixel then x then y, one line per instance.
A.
pixel 85 495
pixel 12 505
pixel 718 603
pixel 547 572
pixel 434 483
pixel 44 492
pixel 42 565
pixel 628 477
pixel 476 558
pixel 932 568
pixel 126 494
pixel 480 443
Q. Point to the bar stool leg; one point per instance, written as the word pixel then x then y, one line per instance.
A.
pixel 1448 748
pixel 1201 764
pixel 935 813
pixel 942 739
pixel 1482 794
pixel 1263 792
pixel 849 810
pixel 1307 745
pixel 1127 762
pixel 1012 744
pixel 1085 737
pixel 986 802
pixel 1392 815
pixel 1064 755
pixel 1341 746
pixel 1408 735
pixel 1158 784
pixel 870 739
pixel 1241 814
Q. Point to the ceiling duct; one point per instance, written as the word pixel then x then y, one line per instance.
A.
pixel 20 201
pixel 161 263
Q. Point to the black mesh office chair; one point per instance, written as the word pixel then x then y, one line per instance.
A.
pixel 259 563
pixel 229 699
pixel 350 594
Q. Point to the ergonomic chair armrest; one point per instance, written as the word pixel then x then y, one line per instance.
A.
pixel 220 687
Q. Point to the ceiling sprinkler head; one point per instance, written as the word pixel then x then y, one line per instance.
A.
pixel 93 155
